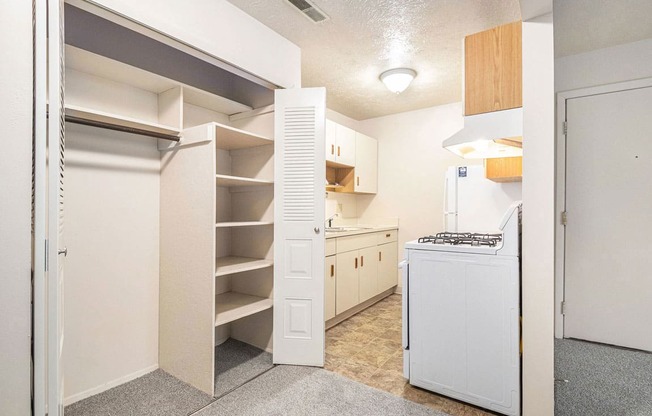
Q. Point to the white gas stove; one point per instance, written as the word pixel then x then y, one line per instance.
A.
pixel 461 315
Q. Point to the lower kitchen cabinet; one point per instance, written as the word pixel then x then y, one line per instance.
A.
pixel 347 283
pixel 329 287
pixel 368 273
pixel 387 266
pixel 359 267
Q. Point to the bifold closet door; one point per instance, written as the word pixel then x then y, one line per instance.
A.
pixel 49 251
pixel 299 226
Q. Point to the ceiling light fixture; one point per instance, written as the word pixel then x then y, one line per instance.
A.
pixel 397 80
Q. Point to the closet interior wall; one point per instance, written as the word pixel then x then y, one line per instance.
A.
pixel 125 220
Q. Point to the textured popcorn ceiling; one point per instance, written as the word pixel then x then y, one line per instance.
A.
pixel 586 25
pixel 363 38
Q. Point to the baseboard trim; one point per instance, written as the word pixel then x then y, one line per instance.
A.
pixel 358 308
pixel 106 386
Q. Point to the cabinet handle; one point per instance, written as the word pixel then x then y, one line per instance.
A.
pixel 338 150
pixel 332 149
pixel 332 270
pixel 388 235
pixel 356 262
pixel 358 179
pixel 380 256
pixel 361 261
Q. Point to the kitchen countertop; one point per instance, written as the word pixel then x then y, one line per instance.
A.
pixel 367 229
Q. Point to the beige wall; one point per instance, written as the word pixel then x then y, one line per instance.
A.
pixel 112 270
pixel 411 168
pixel 15 207
pixel 538 216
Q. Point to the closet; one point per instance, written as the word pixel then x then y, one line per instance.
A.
pixel 170 214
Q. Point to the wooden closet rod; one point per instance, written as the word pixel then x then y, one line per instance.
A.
pixel 116 127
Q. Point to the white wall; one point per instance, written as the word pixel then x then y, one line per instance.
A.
pixel 112 270
pixel 15 207
pixel 538 216
pixel 222 30
pixel 604 66
pixel 411 168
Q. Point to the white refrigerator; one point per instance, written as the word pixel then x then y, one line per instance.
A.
pixel 473 203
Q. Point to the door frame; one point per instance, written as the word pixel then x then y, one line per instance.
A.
pixel 560 193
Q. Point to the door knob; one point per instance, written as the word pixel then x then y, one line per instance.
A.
pixel 64 251
pixel 316 230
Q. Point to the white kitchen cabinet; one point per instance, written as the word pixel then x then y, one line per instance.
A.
pixel 368 273
pixel 329 287
pixel 366 164
pixel 347 284
pixel 387 266
pixel 340 145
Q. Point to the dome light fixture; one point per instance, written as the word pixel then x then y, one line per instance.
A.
pixel 398 79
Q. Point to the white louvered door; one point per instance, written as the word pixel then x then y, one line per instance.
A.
pixel 49 147
pixel 299 207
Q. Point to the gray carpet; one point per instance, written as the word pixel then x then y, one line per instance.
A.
pixel 236 363
pixel 154 394
pixel 602 380
pixel 303 391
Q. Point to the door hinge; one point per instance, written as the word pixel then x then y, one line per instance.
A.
pixel 564 218
pixel 565 127
pixel 47 255
pixel 563 307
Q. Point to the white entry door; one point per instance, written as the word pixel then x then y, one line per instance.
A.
pixel 608 259
pixel 299 206
pixel 49 251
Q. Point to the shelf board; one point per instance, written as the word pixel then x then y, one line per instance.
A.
pixel 232 306
pixel 226 180
pixel 118 120
pixel 230 138
pixel 233 264
pixel 242 224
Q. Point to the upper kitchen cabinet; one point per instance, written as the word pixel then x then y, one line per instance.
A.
pixel 340 145
pixel 366 164
pixel 492 70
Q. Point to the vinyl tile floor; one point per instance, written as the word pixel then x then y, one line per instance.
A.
pixel 367 348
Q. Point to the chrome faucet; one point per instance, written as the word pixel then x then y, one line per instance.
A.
pixel 329 220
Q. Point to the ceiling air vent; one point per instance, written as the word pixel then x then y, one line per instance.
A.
pixel 309 10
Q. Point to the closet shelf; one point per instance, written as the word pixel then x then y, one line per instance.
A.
pixel 232 306
pixel 242 224
pixel 229 138
pixel 226 180
pixel 234 264
pixel 82 114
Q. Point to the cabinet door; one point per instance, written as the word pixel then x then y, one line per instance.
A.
pixel 387 266
pixel 346 285
pixel 329 287
pixel 492 70
pixel 331 141
pixel 345 148
pixel 366 164
pixel 368 273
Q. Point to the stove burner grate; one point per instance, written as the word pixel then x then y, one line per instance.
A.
pixel 466 239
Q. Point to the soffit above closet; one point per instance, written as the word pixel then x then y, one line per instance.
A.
pixel 111 49
pixel 587 25
pixel 347 53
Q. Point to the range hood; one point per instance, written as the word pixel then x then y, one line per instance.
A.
pixel 489 135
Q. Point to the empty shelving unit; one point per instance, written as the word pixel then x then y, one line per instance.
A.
pixel 217 239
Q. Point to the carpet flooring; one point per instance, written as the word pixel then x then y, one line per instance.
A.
pixel 154 394
pixel 236 363
pixel 602 380
pixel 303 391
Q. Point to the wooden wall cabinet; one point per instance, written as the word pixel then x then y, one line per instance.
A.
pixel 366 164
pixel 493 70
pixel 340 145
pixel 504 169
